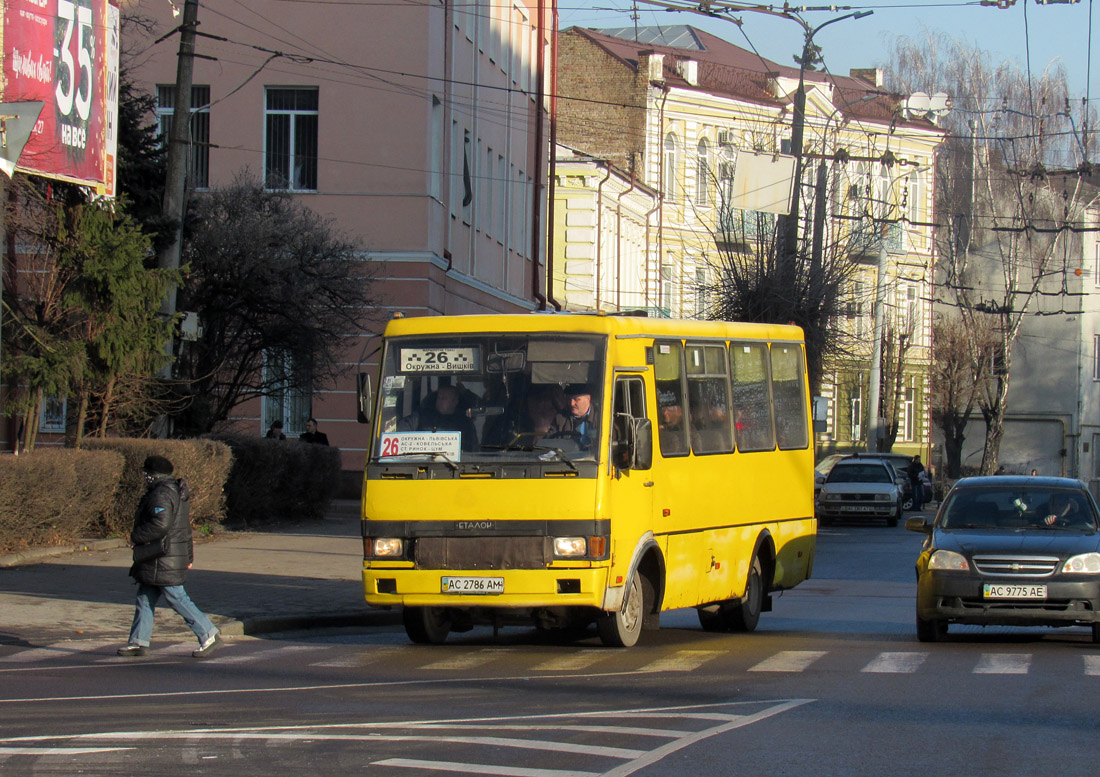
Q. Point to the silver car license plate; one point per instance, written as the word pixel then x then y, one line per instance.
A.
pixel 1013 591
pixel 472 585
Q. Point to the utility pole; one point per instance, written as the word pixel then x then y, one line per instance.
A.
pixel 175 187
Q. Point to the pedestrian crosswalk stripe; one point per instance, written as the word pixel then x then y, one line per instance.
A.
pixel 358 660
pixel 896 663
pixel 1003 663
pixel 682 661
pixel 58 650
pixel 467 661
pixel 571 662
pixel 1092 665
pixel 788 661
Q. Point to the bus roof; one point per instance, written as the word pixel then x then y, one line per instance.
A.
pixel 591 323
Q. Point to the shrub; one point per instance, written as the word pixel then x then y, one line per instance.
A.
pixel 276 480
pixel 204 464
pixel 55 496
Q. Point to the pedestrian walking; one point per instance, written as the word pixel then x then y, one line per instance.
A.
pixel 312 435
pixel 163 552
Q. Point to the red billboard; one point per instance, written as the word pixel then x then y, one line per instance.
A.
pixel 65 53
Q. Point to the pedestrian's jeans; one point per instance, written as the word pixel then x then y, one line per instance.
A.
pixel 148 596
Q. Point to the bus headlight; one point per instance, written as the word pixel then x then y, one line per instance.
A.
pixel 388 547
pixel 570 547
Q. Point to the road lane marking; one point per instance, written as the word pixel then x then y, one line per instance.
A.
pixel 462 768
pixel 895 663
pixel 1092 665
pixel 682 661
pixel 789 661
pixel 1003 663
pixel 59 750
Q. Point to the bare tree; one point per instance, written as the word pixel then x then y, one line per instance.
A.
pixel 1004 199
pixel 273 284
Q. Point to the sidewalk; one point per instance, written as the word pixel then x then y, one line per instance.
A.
pixel 299 577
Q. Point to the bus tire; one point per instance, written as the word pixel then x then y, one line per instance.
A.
pixel 426 625
pixel 622 627
pixel 745 614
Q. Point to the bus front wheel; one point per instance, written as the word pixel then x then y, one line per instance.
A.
pixel 622 627
pixel 426 625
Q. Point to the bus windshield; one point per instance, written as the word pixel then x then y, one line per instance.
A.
pixel 491 398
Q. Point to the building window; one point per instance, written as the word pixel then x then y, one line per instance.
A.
pixel 1096 357
pixel 435 173
pixel 1096 269
pixel 856 404
pixel 702 175
pixel 198 146
pixel 668 174
pixel 700 293
pixel 668 289
pixel 51 417
pixel 289 398
pixel 290 141
pixel 908 417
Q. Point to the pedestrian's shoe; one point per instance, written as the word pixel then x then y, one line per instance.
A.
pixel 133 651
pixel 208 646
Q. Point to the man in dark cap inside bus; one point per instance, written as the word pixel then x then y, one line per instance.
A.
pixel 583 419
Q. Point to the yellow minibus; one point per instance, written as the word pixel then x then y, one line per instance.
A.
pixel 564 469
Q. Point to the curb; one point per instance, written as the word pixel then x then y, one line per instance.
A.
pixel 31 555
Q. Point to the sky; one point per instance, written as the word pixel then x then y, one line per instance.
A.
pixel 1045 32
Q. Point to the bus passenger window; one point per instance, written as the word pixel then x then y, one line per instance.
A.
pixel 708 399
pixel 671 426
pixel 751 398
pixel 789 393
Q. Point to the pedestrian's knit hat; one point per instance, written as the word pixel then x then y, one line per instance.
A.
pixel 157 465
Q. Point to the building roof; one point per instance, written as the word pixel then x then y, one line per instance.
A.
pixel 726 69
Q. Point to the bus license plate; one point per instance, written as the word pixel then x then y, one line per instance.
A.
pixel 1004 591
pixel 473 585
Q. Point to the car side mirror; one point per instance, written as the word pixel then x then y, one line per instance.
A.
pixel 918 523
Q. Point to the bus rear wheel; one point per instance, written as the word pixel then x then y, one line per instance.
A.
pixel 745 614
pixel 622 627
pixel 426 625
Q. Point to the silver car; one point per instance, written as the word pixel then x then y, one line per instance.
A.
pixel 860 489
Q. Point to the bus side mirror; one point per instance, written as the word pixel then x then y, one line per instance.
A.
pixel 364 398
pixel 643 443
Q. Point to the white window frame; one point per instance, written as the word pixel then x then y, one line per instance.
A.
pixel 295 114
pixel 52 414
pixel 702 174
pixel 668 172
pixel 198 146
pixel 855 404
pixel 282 407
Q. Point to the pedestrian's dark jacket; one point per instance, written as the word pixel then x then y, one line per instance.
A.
pixel 913 470
pixel 164 511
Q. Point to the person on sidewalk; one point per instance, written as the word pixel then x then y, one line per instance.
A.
pixel 163 552
pixel 311 435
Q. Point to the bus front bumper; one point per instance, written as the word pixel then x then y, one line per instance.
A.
pixel 512 588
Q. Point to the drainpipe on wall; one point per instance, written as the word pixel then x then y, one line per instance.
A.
pixel 599 230
pixel 661 187
pixel 619 242
pixel 536 225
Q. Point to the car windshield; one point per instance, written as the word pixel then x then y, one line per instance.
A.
pixel 490 398
pixel 1018 508
pixel 859 473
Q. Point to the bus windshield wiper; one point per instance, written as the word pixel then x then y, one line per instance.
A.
pixel 433 454
pixel 557 454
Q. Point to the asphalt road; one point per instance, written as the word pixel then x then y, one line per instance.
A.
pixel 833 683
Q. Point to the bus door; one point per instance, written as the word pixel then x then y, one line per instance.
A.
pixel 631 491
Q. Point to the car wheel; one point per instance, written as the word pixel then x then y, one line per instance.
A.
pixel 931 631
pixel 622 627
pixel 426 625
pixel 907 503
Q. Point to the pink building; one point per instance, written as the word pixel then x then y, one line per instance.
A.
pixel 417 127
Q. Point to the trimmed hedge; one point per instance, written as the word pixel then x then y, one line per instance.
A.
pixel 279 480
pixel 204 464
pixel 55 496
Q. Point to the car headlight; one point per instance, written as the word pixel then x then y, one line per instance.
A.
pixel 884 497
pixel 830 497
pixel 948 559
pixel 1084 564
pixel 388 547
pixel 570 547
